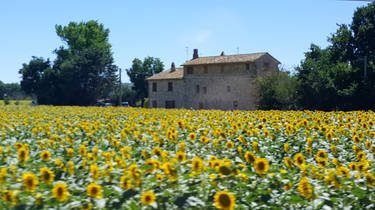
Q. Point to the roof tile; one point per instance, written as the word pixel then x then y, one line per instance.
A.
pixel 225 59
pixel 168 74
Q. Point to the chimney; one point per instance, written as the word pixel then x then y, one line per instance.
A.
pixel 195 54
pixel 222 53
pixel 173 67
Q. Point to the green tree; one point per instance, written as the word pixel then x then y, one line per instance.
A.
pixel 2 90
pixel 363 31
pixel 341 76
pixel 323 84
pixel 32 74
pixel 128 94
pixel 277 91
pixel 140 71
pixel 82 72
pixel 14 91
pixel 86 66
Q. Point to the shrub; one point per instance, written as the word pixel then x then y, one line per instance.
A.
pixel 146 104
pixel 6 101
pixel 277 91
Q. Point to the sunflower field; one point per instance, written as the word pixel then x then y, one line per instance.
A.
pixel 132 158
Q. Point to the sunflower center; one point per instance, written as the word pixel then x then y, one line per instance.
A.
pixel 224 170
pixel 224 200
pixel 94 190
pixel 60 191
pixel 22 154
pixel 148 198
pixel 196 165
pixel 46 176
pixel 30 181
pixel 261 166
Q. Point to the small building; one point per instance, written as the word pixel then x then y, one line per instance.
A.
pixel 224 82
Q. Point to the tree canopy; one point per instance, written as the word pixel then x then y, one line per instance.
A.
pixel 139 71
pixel 11 91
pixel 82 72
pixel 340 76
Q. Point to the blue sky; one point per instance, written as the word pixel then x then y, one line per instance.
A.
pixel 164 28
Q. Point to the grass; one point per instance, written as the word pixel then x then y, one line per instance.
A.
pixel 13 102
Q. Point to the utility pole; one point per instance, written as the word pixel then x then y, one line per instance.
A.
pixel 120 91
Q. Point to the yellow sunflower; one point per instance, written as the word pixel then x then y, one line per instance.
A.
pixel 30 181
pixel 170 171
pixel 60 191
pixel 204 139
pixel 224 200
pixel 181 156
pixel 3 174
pixel 125 182
pixel 343 171
pixel 70 166
pixel 321 154
pixel 322 162
pixel 370 179
pixel 82 150
pixel 45 155
pixel 361 155
pixel 299 159
pixel 288 162
pixel 10 196
pixel 70 152
pixel 255 146
pixel 95 171
pixel 229 144
pixel 240 151
pixel 362 166
pixel 46 175
pixel 368 144
pixel 39 199
pixel 159 177
pixel 94 190
pixel 352 166
pixel 305 188
pixel 223 169
pixel 156 151
pixel 192 136
pixel 23 154
pixel 333 148
pixel 308 150
pixel 357 139
pixel 286 147
pixel 287 186
pixel 250 157
pixel 148 198
pixel 197 165
pixel 261 165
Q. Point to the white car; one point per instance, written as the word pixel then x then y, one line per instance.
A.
pixel 125 104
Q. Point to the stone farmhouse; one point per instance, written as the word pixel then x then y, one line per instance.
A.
pixel 224 82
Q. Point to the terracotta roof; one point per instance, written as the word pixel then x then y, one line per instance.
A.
pixel 177 74
pixel 241 58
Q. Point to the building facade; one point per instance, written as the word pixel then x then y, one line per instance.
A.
pixel 224 82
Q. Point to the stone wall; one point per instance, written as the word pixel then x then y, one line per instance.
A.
pixel 220 92
pixel 162 94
